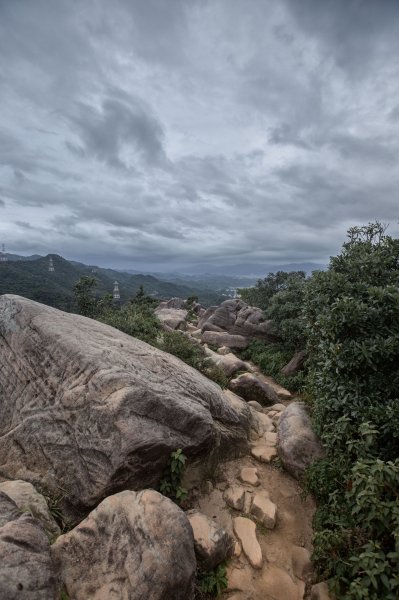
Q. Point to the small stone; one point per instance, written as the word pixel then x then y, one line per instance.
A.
pixel 245 530
pixel 267 423
pixel 208 487
pixel 27 498
pixel 237 549
pixel 212 543
pixel 264 453
pixel 258 407
pixel 320 592
pixel 264 510
pixel 270 438
pixel 239 578
pixel 224 350
pixel 247 502
pixel 234 497
pixel 301 563
pixel 276 583
pixel 278 407
pixel 249 475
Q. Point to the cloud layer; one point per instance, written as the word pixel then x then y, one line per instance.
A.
pixel 162 134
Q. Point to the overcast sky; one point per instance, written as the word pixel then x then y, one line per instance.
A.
pixel 160 133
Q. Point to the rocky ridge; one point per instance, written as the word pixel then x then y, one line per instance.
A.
pixel 251 513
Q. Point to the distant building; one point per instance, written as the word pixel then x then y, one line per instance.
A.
pixel 51 265
pixel 3 255
pixel 116 292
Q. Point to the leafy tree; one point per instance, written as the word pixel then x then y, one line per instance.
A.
pixel 84 290
pixel 261 294
pixel 352 317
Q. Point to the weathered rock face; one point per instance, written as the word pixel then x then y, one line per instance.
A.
pixel 250 387
pixel 28 499
pixel 237 318
pixel 298 445
pixel 212 543
pixel 88 410
pixel 132 546
pixel 26 568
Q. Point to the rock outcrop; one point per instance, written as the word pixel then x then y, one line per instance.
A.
pixel 295 365
pixel 250 387
pixel 26 568
pixel 237 318
pixel 88 410
pixel 29 500
pixel 133 546
pixel 172 318
pixel 298 445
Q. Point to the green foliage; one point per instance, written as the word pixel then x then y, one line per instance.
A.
pixel 261 294
pixel 170 484
pixel 214 582
pixel 271 358
pixel 352 317
pixel 135 319
pixel 85 289
pixel 285 310
pixel 178 344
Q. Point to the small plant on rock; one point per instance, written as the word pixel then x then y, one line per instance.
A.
pixel 170 485
pixel 214 582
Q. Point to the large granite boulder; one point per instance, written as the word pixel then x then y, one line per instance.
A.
pixel 298 445
pixel 133 546
pixel 237 318
pixel 87 410
pixel 26 568
pixel 222 338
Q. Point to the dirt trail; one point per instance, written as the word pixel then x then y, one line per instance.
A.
pixel 283 531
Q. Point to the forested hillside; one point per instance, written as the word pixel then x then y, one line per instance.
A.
pixel 32 279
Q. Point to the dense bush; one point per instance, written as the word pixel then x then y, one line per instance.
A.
pixel 271 358
pixel 352 316
pixel 281 295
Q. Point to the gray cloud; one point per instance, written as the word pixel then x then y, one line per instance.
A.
pixel 166 134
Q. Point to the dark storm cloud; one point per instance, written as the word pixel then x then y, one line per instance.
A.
pixel 196 130
pixel 119 125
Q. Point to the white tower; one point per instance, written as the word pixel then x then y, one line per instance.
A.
pixel 116 293
pixel 51 265
pixel 3 255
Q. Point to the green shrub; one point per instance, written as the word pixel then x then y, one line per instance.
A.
pixel 352 316
pixel 213 582
pixel 178 344
pixel 135 319
pixel 170 484
pixel 271 358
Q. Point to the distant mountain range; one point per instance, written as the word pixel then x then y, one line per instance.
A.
pixel 30 277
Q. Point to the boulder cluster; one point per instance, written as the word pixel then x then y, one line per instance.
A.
pixel 89 418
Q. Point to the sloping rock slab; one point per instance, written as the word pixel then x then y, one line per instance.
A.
pixel 87 410
pixel 298 446
pixel 133 546
pixel 295 365
pixel 26 568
